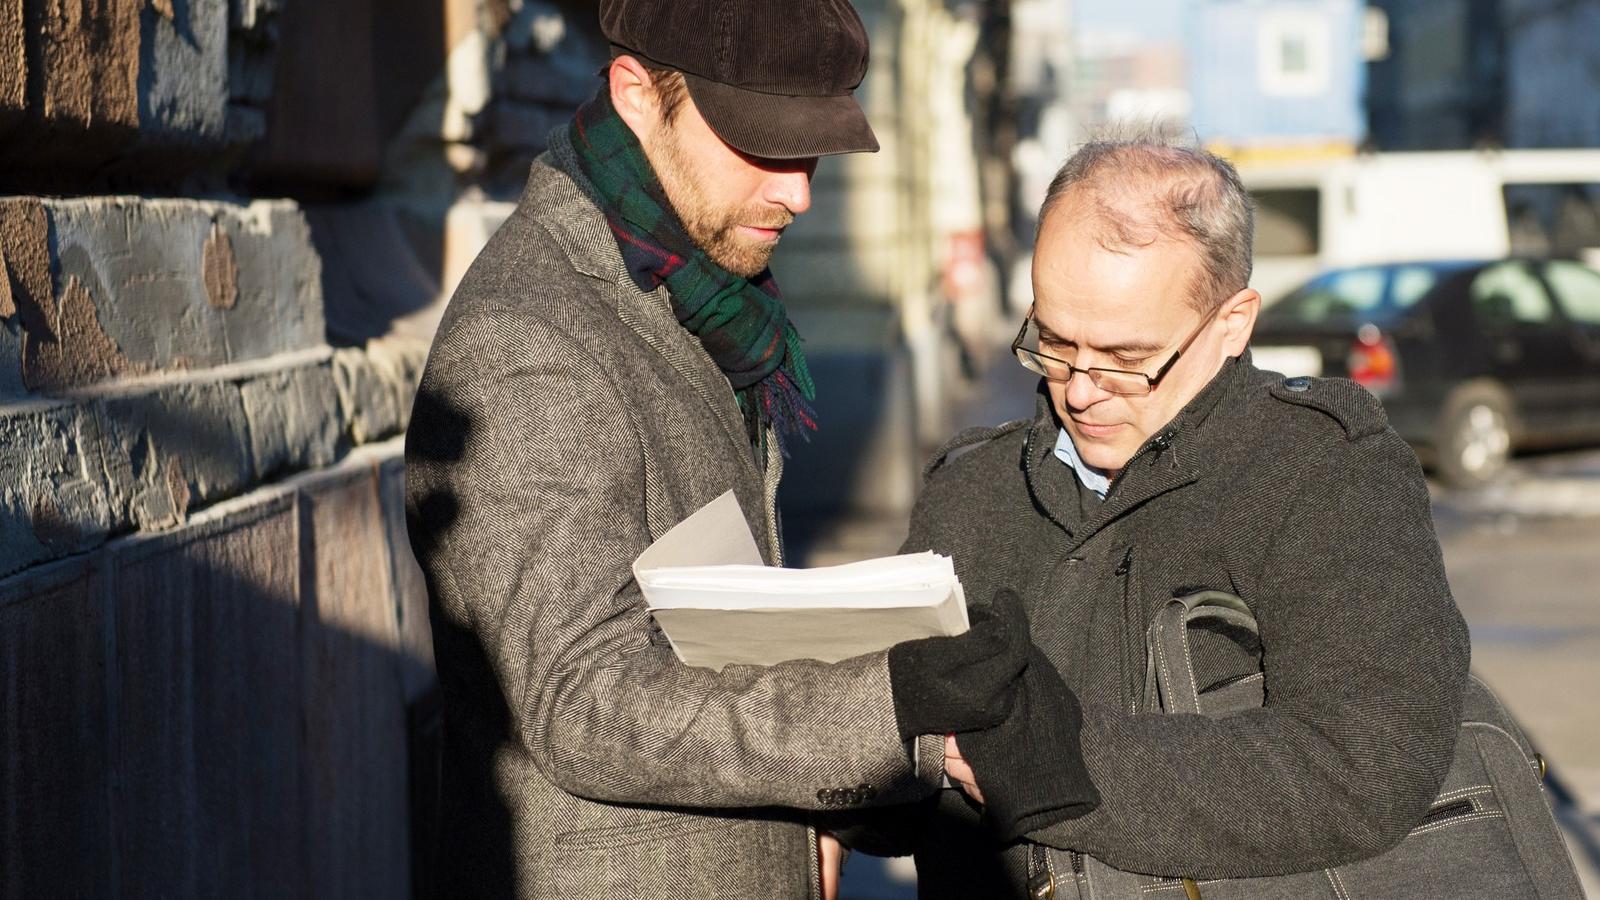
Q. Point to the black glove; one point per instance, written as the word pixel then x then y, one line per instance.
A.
pixel 1030 767
pixel 948 684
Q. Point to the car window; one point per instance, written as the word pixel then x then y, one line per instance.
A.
pixel 1335 298
pixel 1578 288
pixel 1411 283
pixel 1508 294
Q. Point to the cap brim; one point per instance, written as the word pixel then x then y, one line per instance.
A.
pixel 782 126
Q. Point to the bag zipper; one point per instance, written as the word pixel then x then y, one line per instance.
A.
pixel 1042 877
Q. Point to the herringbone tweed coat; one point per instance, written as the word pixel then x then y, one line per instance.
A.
pixel 564 422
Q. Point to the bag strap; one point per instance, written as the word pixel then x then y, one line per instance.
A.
pixel 1170 684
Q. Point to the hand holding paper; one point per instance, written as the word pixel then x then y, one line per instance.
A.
pixel 717 604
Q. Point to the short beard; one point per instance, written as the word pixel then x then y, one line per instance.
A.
pixel 714 231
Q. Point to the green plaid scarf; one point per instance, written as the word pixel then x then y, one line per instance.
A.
pixel 740 321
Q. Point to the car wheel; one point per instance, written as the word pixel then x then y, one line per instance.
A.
pixel 1474 436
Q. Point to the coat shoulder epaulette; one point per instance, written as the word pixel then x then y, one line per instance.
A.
pixel 1344 401
pixel 966 441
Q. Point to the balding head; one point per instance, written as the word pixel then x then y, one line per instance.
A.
pixel 1143 189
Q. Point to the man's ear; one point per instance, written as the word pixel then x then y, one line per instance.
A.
pixel 633 95
pixel 1238 315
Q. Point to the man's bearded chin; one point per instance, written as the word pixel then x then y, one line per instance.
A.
pixel 721 241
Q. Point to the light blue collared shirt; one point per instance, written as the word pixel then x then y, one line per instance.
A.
pixel 1092 478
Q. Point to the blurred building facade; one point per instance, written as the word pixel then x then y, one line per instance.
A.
pixel 1500 75
pixel 1280 77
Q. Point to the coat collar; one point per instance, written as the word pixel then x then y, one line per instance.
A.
pixel 560 199
pixel 1166 462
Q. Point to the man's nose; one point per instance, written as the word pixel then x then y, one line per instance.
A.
pixel 1082 391
pixel 791 190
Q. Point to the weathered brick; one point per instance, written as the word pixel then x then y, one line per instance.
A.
pixel 294 419
pixel 140 271
pixel 355 729
pixel 208 719
pixel 55 822
pixel 88 55
pixel 173 447
pixel 377 385
pixel 52 495
pixel 183 96
pixel 121 90
pixel 13 63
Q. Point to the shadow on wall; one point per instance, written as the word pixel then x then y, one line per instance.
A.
pixel 247 700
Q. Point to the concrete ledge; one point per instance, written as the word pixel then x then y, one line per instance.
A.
pixel 139 456
pixel 111 287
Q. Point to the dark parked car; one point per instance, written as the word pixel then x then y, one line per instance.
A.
pixel 1473 360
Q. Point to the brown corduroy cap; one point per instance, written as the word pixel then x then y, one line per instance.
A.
pixel 773 78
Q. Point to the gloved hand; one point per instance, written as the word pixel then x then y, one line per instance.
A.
pixel 945 684
pixel 1030 767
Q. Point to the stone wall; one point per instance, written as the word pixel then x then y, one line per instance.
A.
pixel 215 665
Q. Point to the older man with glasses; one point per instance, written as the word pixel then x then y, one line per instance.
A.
pixel 1161 462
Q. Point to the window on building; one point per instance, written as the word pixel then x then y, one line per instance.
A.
pixel 1293 54
pixel 1287 221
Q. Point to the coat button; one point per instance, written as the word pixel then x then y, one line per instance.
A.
pixel 1299 384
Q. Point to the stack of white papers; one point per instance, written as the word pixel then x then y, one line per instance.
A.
pixel 706 587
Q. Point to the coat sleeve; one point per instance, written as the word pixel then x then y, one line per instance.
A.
pixel 1365 660
pixel 528 476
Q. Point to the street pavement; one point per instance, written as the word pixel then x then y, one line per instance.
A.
pixel 1523 558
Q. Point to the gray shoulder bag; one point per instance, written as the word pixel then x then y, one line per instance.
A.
pixel 1490 834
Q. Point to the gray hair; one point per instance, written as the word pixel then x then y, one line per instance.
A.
pixel 1145 187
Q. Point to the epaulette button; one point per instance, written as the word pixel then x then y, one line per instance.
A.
pixel 1298 383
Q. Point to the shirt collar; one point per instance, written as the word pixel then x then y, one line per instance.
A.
pixel 1092 478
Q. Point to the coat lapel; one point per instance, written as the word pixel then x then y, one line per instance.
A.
pixel 578 225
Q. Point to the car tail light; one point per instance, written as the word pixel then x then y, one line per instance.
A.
pixel 1373 363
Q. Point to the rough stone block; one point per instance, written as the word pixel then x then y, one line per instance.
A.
pixel 176 284
pixel 294 419
pixel 208 720
pixel 13 63
pixel 183 88
pixel 355 728
pixel 120 90
pixel 177 446
pixel 377 385
pixel 55 822
pixel 106 287
pixel 52 494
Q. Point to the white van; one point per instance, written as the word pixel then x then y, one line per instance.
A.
pixel 1387 207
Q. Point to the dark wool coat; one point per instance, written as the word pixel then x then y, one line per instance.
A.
pixel 565 421
pixel 1300 499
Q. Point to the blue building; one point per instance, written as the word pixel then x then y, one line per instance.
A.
pixel 1269 74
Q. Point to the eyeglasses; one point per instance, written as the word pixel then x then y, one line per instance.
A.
pixel 1115 381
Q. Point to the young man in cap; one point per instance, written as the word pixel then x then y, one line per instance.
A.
pixel 617 357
